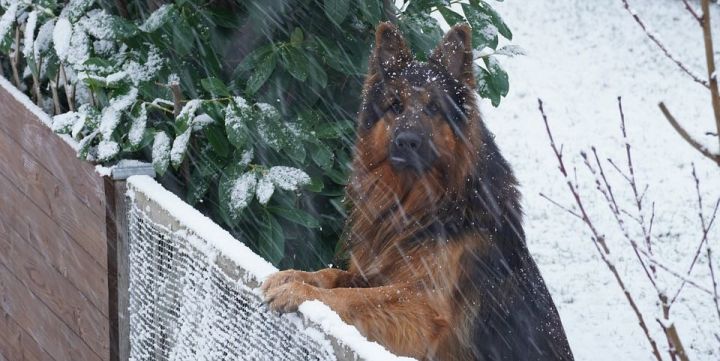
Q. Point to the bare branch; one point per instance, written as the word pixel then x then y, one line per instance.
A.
pixel 662 46
pixel 688 138
pixel 15 61
pixel 710 60
pixel 598 239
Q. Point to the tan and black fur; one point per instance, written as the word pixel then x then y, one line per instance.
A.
pixel 438 265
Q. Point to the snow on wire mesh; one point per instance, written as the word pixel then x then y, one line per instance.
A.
pixel 193 294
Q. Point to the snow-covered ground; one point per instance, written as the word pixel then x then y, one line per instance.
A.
pixel 581 56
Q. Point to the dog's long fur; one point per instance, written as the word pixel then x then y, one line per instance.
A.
pixel 439 268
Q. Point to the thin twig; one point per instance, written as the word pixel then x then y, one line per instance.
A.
pixel 566 209
pixel 662 46
pixel 675 274
pixel 615 210
pixel 714 281
pixel 706 226
pixel 692 12
pixel 633 181
pixel 688 138
pixel 36 82
pixel 53 90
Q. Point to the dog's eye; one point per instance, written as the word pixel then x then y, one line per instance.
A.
pixel 431 108
pixel 397 107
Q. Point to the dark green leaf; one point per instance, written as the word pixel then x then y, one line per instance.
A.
pixel 294 62
pixel 498 76
pixel 296 216
pixel 496 20
pixel 215 87
pixel 316 185
pixel 450 16
pixel 371 10
pixel 483 30
pixel 423 33
pixel 316 72
pixel 262 73
pixel 336 10
pixel 422 6
pixel 296 38
pixel 323 156
pixel 253 59
pixel 272 239
pixel 218 140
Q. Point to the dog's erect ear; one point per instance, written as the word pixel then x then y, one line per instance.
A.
pixel 455 53
pixel 391 54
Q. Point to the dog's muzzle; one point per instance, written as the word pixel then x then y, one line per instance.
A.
pixel 410 150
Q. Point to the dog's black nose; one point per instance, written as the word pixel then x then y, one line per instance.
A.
pixel 408 141
pixel 408 150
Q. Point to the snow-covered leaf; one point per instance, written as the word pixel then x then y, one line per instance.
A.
pixel 264 190
pixel 161 152
pixel 179 147
pixel 270 127
pixel 137 129
pixel 62 33
pixel 287 178
pixel 29 36
pixel 107 149
pixel 236 125
pixel 109 120
pixel 7 19
pixel 62 123
pixel 158 18
pixel 44 37
pixel 188 110
pixel 511 51
pixel 75 9
pixel 242 191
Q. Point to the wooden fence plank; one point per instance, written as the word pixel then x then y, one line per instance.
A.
pixel 55 245
pixel 16 344
pixel 52 152
pixel 37 320
pixel 56 200
pixel 55 291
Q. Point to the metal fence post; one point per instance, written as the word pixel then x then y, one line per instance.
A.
pixel 116 221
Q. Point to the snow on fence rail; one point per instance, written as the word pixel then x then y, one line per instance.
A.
pixel 193 294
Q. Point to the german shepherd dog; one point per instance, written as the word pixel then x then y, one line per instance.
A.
pixel 438 265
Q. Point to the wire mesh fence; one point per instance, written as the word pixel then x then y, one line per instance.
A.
pixel 193 296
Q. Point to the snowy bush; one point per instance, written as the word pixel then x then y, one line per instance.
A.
pixel 240 106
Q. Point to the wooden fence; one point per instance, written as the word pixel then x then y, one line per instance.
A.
pixel 58 252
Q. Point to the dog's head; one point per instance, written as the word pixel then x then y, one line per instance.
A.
pixel 415 116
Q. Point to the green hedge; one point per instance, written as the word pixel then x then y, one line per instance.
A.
pixel 246 108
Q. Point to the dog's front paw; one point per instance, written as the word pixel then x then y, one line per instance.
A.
pixel 287 297
pixel 280 278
